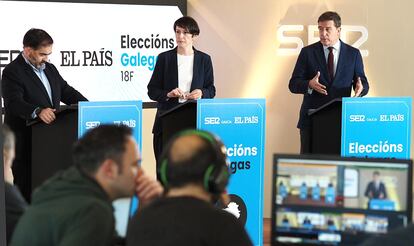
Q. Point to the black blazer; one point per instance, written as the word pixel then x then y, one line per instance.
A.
pixel 311 60
pixel 23 92
pixel 374 191
pixel 165 78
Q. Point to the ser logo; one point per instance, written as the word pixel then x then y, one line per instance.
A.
pixel 212 120
pixel 91 124
pixel 357 118
pixel 286 38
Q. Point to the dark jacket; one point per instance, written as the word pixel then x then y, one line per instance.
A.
pixel 373 193
pixel 165 78
pixel 311 60
pixel 15 207
pixel 185 221
pixel 23 92
pixel 68 209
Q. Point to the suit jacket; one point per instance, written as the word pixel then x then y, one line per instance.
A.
pixel 311 60
pixel 375 192
pixel 23 92
pixel 165 78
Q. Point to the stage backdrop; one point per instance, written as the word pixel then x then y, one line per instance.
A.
pixel 253 57
pixel 246 43
pixel 106 51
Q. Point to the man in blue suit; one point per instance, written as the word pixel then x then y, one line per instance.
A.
pixel 324 71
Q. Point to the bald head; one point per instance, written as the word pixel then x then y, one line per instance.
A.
pixel 187 157
pixel 184 148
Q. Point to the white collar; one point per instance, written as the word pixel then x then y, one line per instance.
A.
pixel 336 46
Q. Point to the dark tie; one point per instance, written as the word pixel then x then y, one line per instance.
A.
pixel 331 63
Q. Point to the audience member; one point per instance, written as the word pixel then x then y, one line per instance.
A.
pixel 194 173
pixel 75 206
pixel 15 203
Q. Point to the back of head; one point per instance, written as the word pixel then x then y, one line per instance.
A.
pixel 36 38
pixel 330 16
pixel 195 157
pixel 101 143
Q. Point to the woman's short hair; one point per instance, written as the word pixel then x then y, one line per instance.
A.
pixel 189 24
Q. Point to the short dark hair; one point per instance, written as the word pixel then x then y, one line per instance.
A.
pixel 189 24
pixel 8 137
pixel 101 143
pixel 37 38
pixel 331 16
pixel 376 173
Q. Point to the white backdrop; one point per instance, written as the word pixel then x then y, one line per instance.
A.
pixel 88 49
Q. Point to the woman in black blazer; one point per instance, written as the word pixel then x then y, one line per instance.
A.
pixel 180 74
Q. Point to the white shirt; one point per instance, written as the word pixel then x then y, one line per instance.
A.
pixel 185 73
pixel 40 72
pixel 335 51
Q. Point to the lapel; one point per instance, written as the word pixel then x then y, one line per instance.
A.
pixel 34 78
pixel 196 67
pixel 174 68
pixel 49 75
pixel 320 56
pixel 341 60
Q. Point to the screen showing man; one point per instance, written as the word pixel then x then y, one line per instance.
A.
pixel 376 188
pixel 338 201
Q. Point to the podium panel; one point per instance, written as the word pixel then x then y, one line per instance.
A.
pixel 240 123
pixel 326 123
pixel 181 117
pixel 377 127
pixel 52 144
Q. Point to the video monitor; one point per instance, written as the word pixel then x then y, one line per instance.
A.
pixel 337 200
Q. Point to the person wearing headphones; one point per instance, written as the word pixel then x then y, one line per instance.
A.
pixel 194 173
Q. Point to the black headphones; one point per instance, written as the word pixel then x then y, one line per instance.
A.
pixel 216 176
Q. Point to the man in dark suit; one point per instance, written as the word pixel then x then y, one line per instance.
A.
pixel 376 189
pixel 32 88
pixel 324 71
